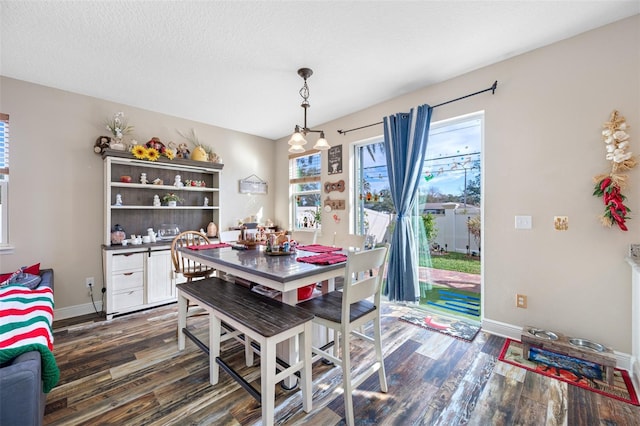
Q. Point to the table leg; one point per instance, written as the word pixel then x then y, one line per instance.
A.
pixel 288 349
pixel 215 328
pixel 305 374
pixel 268 383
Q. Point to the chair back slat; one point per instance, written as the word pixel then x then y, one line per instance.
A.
pixel 363 277
pixel 304 237
pixel 344 241
pixel 183 265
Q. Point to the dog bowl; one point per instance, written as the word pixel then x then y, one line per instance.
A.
pixel 542 334
pixel 587 344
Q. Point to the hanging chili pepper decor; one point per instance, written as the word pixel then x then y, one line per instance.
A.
pixel 609 186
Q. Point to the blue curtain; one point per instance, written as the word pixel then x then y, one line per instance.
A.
pixel 405 142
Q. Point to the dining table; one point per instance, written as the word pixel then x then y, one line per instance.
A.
pixel 278 271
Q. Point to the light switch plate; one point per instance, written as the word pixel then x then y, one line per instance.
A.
pixel 523 222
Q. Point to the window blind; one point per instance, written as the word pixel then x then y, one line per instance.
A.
pixel 4 145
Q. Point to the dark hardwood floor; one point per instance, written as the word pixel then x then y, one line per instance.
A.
pixel 129 371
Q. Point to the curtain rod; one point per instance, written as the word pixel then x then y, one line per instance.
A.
pixel 492 88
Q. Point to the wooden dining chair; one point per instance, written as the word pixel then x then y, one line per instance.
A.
pixel 190 269
pixel 345 311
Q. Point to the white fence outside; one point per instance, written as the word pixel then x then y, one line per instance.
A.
pixel 453 233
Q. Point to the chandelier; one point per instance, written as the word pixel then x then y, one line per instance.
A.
pixel 297 139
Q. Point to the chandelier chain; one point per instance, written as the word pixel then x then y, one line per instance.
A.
pixel 304 93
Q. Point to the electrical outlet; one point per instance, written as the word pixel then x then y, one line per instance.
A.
pixel 89 281
pixel 521 301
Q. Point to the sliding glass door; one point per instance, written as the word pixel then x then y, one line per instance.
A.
pixel 448 212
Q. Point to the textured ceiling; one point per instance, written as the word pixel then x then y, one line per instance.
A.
pixel 233 63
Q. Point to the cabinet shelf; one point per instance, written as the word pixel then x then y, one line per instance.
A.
pixel 165 208
pixel 169 188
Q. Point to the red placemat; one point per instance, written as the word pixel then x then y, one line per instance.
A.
pixel 209 246
pixel 324 259
pixel 318 248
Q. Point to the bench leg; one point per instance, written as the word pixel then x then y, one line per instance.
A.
pixel 182 320
pixel 305 374
pixel 268 381
pixel 215 329
pixel 248 351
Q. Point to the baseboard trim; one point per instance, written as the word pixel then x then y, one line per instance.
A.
pixel 501 329
pixel 76 311
pixel 514 332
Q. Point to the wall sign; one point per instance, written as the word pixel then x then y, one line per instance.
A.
pixel 252 185
pixel 335 159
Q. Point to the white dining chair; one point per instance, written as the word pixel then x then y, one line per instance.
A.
pixel 345 311
pixel 344 241
pixel 229 236
pixel 304 237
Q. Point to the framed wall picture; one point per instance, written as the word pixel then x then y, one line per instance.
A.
pixel 335 159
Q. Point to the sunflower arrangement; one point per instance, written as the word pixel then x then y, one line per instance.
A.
pixel 142 152
pixel 609 186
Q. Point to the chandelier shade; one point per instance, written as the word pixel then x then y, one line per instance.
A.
pixel 297 138
pixel 322 143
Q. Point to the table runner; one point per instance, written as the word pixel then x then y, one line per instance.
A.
pixel 209 246
pixel 324 259
pixel 319 248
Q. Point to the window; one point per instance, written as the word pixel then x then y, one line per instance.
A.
pixel 4 179
pixel 304 181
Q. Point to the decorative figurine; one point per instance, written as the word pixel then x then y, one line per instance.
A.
pixel 101 144
pixel 206 202
pixel 143 178
pixel 156 201
pixel 178 182
pixel 212 230
pixel 118 200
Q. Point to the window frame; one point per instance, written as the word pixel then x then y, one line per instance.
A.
pixel 4 183
pixel 295 181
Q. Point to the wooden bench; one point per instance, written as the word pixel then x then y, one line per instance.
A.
pixel 606 358
pixel 261 319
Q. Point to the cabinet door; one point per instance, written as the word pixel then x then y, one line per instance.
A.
pixel 160 283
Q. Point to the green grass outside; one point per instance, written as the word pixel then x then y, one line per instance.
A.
pixel 453 262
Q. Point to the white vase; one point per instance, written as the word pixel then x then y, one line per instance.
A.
pixel 172 203
pixel 117 144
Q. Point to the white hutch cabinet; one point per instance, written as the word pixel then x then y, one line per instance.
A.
pixel 141 276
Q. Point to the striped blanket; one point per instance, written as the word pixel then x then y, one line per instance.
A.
pixel 26 317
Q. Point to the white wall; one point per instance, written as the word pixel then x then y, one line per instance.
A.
pixel 542 146
pixel 56 187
